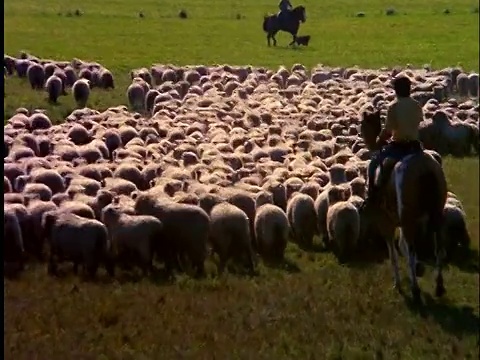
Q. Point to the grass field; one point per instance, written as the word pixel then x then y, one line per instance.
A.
pixel 112 33
pixel 313 310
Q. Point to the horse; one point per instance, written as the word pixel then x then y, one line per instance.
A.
pixel 273 24
pixel 413 197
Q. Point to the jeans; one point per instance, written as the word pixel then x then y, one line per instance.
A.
pixel 394 150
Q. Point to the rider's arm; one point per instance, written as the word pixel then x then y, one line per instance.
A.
pixel 390 124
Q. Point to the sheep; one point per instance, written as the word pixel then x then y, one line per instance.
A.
pixel 136 96
pixel 70 75
pixel 39 121
pixel 13 250
pixel 82 184
pixel 181 241
pixel 36 76
pixel 473 85
pixel 230 235
pixel 343 223
pixel 13 198
pixel 454 229
pixel 97 203
pixel 36 208
pixel 106 79
pixel 78 208
pixel 54 88
pixel 49 177
pixel 133 235
pixel 76 239
pixel 81 92
pixel 119 186
pixel 7 185
pixel 42 191
pixel 271 232
pixel 302 219
pixel 132 174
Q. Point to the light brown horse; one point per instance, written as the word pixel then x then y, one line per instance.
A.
pixel 412 198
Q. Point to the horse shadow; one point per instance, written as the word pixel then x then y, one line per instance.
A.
pixel 294 47
pixel 455 320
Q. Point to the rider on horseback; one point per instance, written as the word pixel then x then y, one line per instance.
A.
pixel 403 119
pixel 285 6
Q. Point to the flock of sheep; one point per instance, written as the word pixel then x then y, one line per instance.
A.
pixel 56 76
pixel 232 161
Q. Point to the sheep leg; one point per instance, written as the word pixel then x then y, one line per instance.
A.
pixel 199 269
pixel 75 267
pixel 109 266
pixel 250 261
pixel 52 266
pixel 440 255
pixel 222 263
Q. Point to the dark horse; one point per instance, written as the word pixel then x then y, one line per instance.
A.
pixel 291 22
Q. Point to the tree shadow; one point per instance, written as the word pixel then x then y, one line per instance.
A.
pixel 455 320
pixel 285 265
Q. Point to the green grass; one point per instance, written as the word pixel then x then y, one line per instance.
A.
pixel 112 33
pixel 322 311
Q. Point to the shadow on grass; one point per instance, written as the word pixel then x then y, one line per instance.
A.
pixel 290 48
pixel 466 260
pixel 455 320
pixel 284 265
pixel 318 248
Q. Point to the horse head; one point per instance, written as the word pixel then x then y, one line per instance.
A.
pixel 370 127
pixel 299 13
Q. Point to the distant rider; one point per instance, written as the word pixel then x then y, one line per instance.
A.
pixel 285 6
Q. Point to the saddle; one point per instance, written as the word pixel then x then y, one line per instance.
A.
pixel 388 164
pixel 283 16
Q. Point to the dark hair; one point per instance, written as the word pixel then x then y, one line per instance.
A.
pixel 402 86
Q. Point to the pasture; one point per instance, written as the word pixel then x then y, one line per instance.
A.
pixel 113 34
pixel 312 309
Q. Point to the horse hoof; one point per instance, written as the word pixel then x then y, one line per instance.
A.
pixel 440 291
pixel 419 269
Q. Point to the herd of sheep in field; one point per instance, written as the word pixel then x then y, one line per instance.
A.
pixel 231 161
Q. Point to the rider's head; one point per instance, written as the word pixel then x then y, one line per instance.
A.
pixel 402 86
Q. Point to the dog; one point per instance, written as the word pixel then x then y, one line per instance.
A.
pixel 303 40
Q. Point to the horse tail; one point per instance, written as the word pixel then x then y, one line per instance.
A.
pixel 265 22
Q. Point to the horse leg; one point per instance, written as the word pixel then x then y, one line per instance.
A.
pixel 407 234
pixel 294 40
pixel 268 39
pixel 393 254
pixel 273 38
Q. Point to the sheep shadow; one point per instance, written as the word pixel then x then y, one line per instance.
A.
pixel 455 320
pixel 317 248
pixel 12 271
pixel 285 265
pixel 466 260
